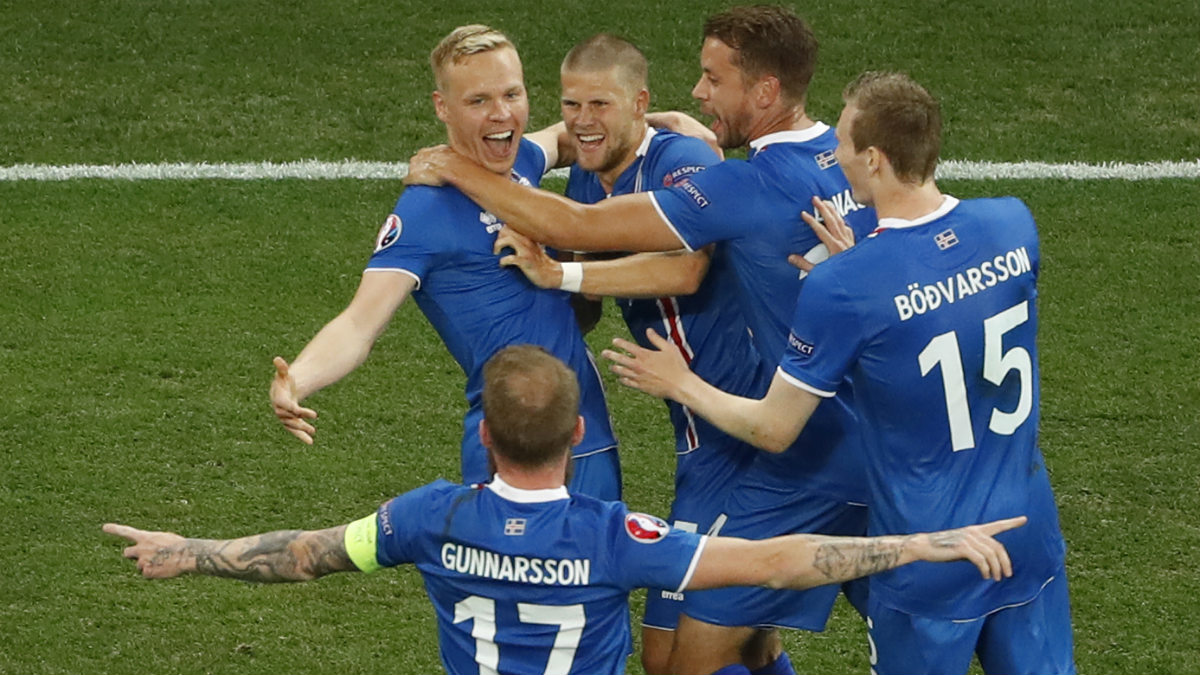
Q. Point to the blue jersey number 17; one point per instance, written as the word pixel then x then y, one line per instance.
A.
pixel 481 611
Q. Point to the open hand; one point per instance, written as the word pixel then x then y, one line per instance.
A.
pixel 831 229
pixel 659 372
pixel 287 405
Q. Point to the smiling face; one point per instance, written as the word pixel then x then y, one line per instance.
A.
pixel 483 104
pixel 605 118
pixel 724 94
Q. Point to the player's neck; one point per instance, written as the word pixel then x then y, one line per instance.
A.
pixel 906 201
pixel 608 179
pixel 783 119
pixel 545 478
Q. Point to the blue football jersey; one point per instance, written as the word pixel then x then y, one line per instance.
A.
pixel 444 240
pixel 935 320
pixel 753 208
pixel 526 581
pixel 707 327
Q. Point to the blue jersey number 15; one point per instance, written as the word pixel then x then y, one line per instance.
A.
pixel 943 350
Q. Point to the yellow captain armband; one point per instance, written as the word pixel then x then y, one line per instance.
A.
pixel 360 543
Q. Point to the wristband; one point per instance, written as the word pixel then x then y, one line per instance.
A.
pixel 572 276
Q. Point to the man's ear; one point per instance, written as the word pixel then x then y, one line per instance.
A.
pixel 767 91
pixel 641 104
pixel 485 436
pixel 875 160
pixel 580 429
pixel 439 105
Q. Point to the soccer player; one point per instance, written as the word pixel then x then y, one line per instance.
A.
pixel 437 247
pixel 757 63
pixel 526 577
pixel 691 297
pixel 934 317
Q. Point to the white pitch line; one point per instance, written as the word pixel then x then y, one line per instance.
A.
pixel 318 170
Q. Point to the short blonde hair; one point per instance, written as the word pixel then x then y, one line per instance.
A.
pixel 463 42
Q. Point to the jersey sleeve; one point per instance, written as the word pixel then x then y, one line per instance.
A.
pixel 710 205
pixel 680 158
pixel 388 537
pixel 532 161
pixel 826 334
pixel 646 552
pixel 411 238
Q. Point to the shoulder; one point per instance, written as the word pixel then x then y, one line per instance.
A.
pixel 996 205
pixel 428 200
pixel 426 496
pixel 531 161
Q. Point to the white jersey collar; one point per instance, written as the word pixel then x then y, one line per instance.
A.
pixel 522 496
pixel 645 146
pixel 948 204
pixel 789 136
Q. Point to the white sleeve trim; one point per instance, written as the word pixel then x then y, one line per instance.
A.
pixel 654 201
pixel 395 269
pixel 804 385
pixel 687 578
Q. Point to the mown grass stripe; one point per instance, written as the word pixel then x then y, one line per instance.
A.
pixel 321 170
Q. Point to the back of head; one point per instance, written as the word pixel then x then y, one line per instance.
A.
pixel 463 42
pixel 769 40
pixel 901 118
pixel 603 51
pixel 530 405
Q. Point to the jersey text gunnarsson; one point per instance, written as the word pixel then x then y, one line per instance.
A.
pixel 547 571
pixel 920 299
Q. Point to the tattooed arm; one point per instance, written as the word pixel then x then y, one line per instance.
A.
pixel 805 560
pixel 289 555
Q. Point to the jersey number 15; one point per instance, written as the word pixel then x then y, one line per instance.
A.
pixel 943 350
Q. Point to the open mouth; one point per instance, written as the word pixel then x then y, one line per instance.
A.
pixel 499 143
pixel 588 142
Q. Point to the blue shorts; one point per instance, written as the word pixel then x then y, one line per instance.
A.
pixel 1033 638
pixel 756 512
pixel 597 475
pixel 691 513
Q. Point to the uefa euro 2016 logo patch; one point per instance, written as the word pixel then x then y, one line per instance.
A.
pixel 389 233
pixel 644 528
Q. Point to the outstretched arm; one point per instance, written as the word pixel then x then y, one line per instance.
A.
pixel 624 223
pixel 771 423
pixel 337 349
pixel 806 560
pixel 292 555
pixel 642 275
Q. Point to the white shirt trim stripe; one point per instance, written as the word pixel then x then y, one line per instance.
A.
pixel 395 269
pixel 790 136
pixel 522 496
pixel 948 204
pixel 654 201
pixel 687 578
pixel 803 385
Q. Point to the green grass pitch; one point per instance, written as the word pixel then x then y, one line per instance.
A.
pixel 138 319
